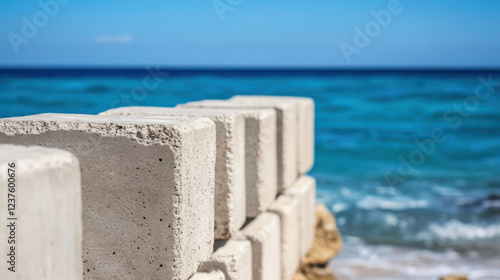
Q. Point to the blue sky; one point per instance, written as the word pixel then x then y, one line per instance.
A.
pixel 278 33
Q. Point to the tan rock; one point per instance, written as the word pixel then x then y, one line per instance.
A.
pixel 454 277
pixel 299 276
pixel 327 242
pixel 317 273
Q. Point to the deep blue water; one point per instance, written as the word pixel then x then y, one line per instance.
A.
pixel 367 124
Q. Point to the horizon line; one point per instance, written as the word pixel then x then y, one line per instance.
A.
pixel 252 68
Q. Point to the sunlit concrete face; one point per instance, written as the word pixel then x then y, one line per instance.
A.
pixel 147 188
pixel 304 112
pixel 264 233
pixel 43 231
pixel 230 191
pixel 287 208
pixel 286 133
pixel 305 190
pixel 261 161
pixel 233 257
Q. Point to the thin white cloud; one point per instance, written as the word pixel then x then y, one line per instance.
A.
pixel 113 39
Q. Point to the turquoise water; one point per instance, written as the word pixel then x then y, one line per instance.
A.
pixel 444 208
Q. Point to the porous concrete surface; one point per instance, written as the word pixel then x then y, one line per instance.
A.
pixel 147 188
pixel 305 190
pixel 232 257
pixel 264 232
pixel 287 207
pixel 214 275
pixel 261 152
pixel 305 126
pixel 230 198
pixel 286 131
pixel 48 207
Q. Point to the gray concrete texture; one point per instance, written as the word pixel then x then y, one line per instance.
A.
pixel 45 195
pixel 214 275
pixel 287 208
pixel 305 190
pixel 261 152
pixel 286 132
pixel 147 188
pixel 304 107
pixel 232 257
pixel 230 197
pixel 264 233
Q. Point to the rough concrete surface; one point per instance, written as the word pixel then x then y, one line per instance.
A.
pixel 233 258
pixel 147 188
pixel 47 202
pixel 305 126
pixel 230 198
pixel 305 190
pixel 264 232
pixel 287 207
pixel 286 130
pixel 261 152
pixel 214 275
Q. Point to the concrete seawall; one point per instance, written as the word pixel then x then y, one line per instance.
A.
pixel 207 190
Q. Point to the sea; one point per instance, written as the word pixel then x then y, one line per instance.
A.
pixel 408 160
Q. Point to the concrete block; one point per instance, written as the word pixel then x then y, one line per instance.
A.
pixel 286 131
pixel 214 275
pixel 147 188
pixel 287 207
pixel 41 187
pixel 305 191
pixel 260 144
pixel 305 126
pixel 232 257
pixel 230 198
pixel 264 233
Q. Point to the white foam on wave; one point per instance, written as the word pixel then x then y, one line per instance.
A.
pixel 339 207
pixel 401 203
pixel 456 232
pixel 360 261
pixel 446 190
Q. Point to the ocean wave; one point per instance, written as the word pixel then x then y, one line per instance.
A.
pixel 490 201
pixel 359 261
pixel 461 235
pixel 399 203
